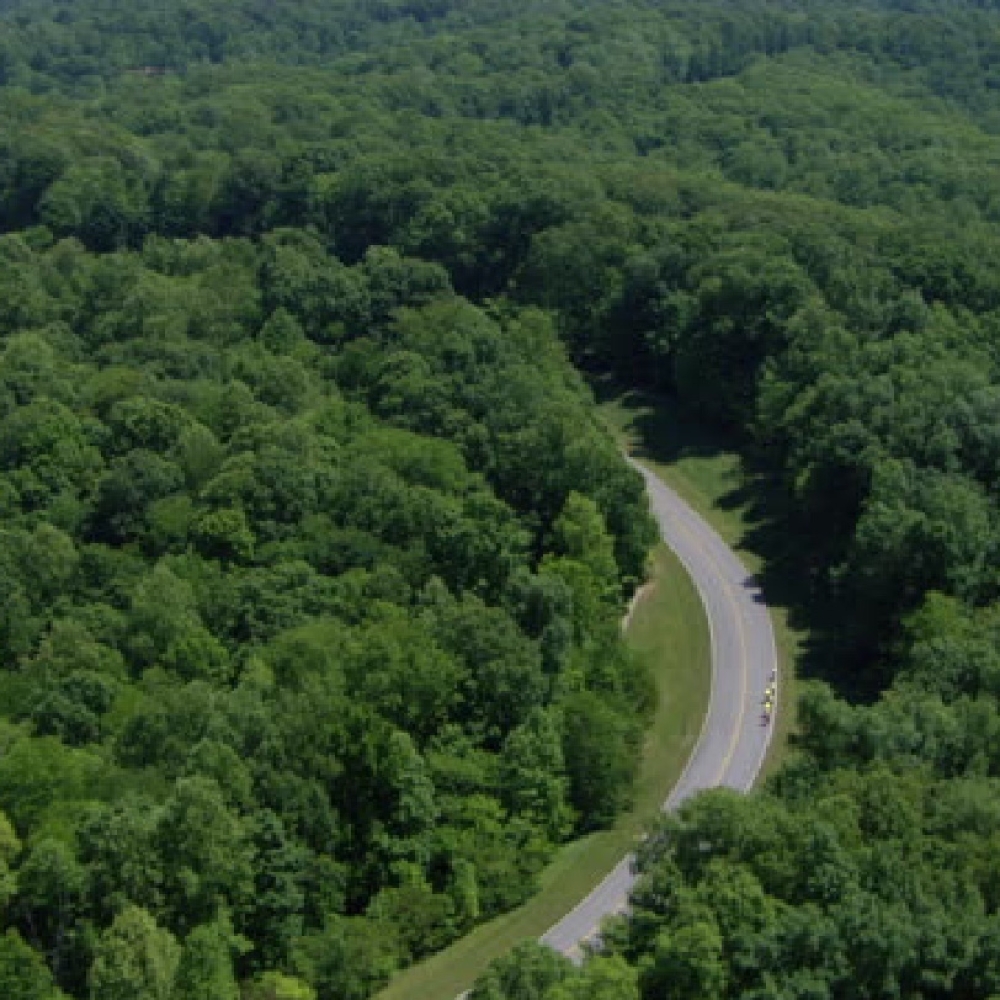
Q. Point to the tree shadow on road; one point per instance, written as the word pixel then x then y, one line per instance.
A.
pixel 659 428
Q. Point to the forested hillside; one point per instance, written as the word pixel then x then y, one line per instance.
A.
pixel 314 552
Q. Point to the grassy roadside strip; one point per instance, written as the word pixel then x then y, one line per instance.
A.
pixel 668 627
pixel 701 467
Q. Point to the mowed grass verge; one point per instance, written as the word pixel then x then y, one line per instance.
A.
pixel 668 627
pixel 703 468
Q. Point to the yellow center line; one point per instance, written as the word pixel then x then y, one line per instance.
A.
pixel 727 589
pixel 738 728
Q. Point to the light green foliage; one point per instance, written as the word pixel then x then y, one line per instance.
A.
pixel 534 971
pixel 198 656
pixel 205 969
pixel 134 960
pixel 198 453
pixel 163 613
pixel 9 843
pixel 38 773
pixel 277 986
pixel 580 533
pixel 585 562
pixel 206 852
pixel 9 849
pixel 529 972
pixel 602 979
pixel 224 534
pixel 533 774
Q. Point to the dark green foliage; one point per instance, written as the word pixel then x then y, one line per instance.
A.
pixel 599 747
pixel 23 974
pixel 312 550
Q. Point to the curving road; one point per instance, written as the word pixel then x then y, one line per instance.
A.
pixel 731 747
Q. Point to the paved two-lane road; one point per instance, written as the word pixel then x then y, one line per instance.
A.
pixel 732 744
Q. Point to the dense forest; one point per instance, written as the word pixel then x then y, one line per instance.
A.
pixel 314 550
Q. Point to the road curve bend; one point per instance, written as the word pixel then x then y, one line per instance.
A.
pixel 732 744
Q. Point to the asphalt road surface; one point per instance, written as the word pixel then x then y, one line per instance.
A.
pixel 732 744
